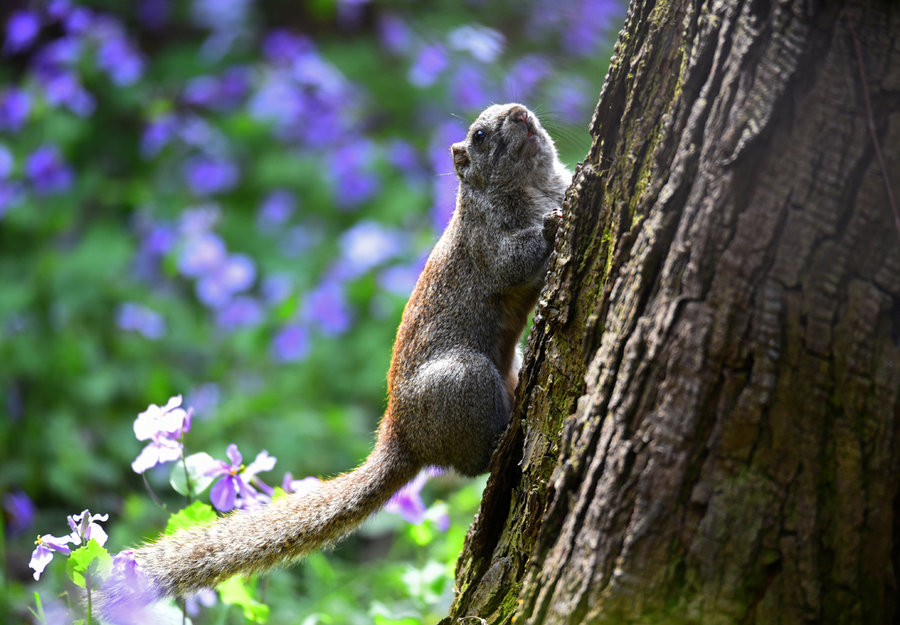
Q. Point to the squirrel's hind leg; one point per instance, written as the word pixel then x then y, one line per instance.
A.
pixel 461 407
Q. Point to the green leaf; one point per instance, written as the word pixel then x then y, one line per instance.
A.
pixel 88 564
pixel 197 464
pixel 237 591
pixel 196 514
pixel 39 614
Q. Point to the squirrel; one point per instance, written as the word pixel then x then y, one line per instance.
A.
pixel 453 372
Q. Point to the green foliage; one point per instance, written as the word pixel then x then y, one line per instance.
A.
pixel 198 513
pixel 88 564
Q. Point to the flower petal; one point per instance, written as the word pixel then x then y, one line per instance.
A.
pixel 148 458
pixel 234 455
pixel 223 494
pixel 40 558
pixel 263 462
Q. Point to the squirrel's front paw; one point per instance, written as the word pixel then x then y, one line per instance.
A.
pixel 551 224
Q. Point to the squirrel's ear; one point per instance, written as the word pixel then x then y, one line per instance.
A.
pixel 460 157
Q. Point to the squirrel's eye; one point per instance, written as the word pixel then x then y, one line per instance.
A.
pixel 478 137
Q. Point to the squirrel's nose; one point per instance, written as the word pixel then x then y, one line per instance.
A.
pixel 519 115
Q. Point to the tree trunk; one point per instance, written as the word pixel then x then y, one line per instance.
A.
pixel 708 424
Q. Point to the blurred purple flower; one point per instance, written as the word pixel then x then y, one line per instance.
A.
pixel 366 245
pixel 353 181
pixel 278 100
pixel 205 597
pixel 401 279
pixel 47 171
pixel 204 399
pixel 18 511
pixel 235 274
pixel 291 344
pixel 431 61
pixel 154 13
pixel 524 76
pixel 201 91
pixel 206 176
pixel 573 103
pixel 395 36
pixel 43 553
pixel 327 306
pixel 15 106
pixel 120 60
pixel 77 21
pixel 407 501
pixel 306 484
pixel 163 427
pixel 22 29
pixel 585 34
pixel 404 156
pixel 240 312
pixel 64 88
pixel 57 55
pixel 276 208
pixel 85 528
pixel 11 194
pixel 282 47
pixel 237 486
pixel 158 240
pixel 276 288
pixel 483 43
pixel 468 88
pixel 136 318
pixel 202 253
pixel 233 86
pixel 228 16
pixel 157 135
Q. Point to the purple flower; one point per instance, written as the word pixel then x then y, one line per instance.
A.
pixel 15 105
pixel 64 88
pixel 119 59
pixel 19 511
pixel 21 31
pixel 157 135
pixel 401 279
pixel 394 34
pixel 282 47
pixel 240 312
pixel 468 87
pixel 573 102
pixel 236 488
pixel 327 307
pixel 407 501
pixel 585 34
pixel 154 13
pixel 235 274
pixel 205 597
pixel 351 176
pixel 291 344
pixel 163 427
pixel 366 245
pixel 304 485
pixel 276 208
pixel 202 254
pixel 483 43
pixel 276 288
pixel 140 319
pixel 201 91
pixel 85 528
pixel 432 60
pixel 11 194
pixel 43 553
pixel 204 399
pixel 206 176
pixel 525 75
pixel 47 171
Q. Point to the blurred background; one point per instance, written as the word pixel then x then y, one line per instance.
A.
pixel 231 200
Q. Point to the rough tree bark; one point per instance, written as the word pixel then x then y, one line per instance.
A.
pixel 707 428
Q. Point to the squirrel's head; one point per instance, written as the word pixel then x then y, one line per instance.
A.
pixel 505 145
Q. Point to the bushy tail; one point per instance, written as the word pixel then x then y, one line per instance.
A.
pixel 286 528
